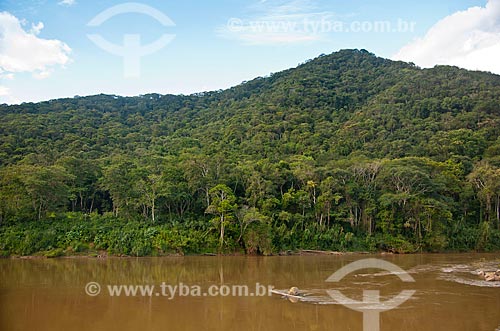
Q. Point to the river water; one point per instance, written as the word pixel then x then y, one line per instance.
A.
pixel 53 294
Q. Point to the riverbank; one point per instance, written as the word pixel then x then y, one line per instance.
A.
pixel 72 234
pixel 305 252
pixel 104 254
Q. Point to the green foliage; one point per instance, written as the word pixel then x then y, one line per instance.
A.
pixel 345 152
pixel 395 244
pixel 57 252
pixel 258 239
pixel 71 235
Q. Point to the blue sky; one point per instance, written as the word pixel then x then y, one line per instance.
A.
pixel 45 52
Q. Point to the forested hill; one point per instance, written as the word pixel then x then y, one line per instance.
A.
pixel 346 151
pixel 330 107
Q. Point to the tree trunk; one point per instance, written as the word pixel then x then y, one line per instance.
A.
pixel 221 231
pixel 207 195
pixel 40 210
pixel 328 215
pixel 153 210
pixel 498 212
pixel 81 202
pixel 488 208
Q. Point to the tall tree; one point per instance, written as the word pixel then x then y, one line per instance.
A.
pixel 223 206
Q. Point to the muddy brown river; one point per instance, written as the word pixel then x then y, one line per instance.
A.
pixel 232 293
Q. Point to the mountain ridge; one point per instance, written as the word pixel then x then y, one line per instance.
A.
pixel 343 52
pixel 346 87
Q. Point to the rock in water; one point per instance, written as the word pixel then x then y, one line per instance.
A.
pixel 490 276
pixel 293 291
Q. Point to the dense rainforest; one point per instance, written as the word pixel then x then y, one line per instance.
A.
pixel 347 151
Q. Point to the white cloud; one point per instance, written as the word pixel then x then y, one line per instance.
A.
pixel 9 76
pixel 35 29
pixel 6 96
pixel 4 91
pixel 278 22
pixel 285 7
pixel 23 51
pixel 67 2
pixel 469 39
